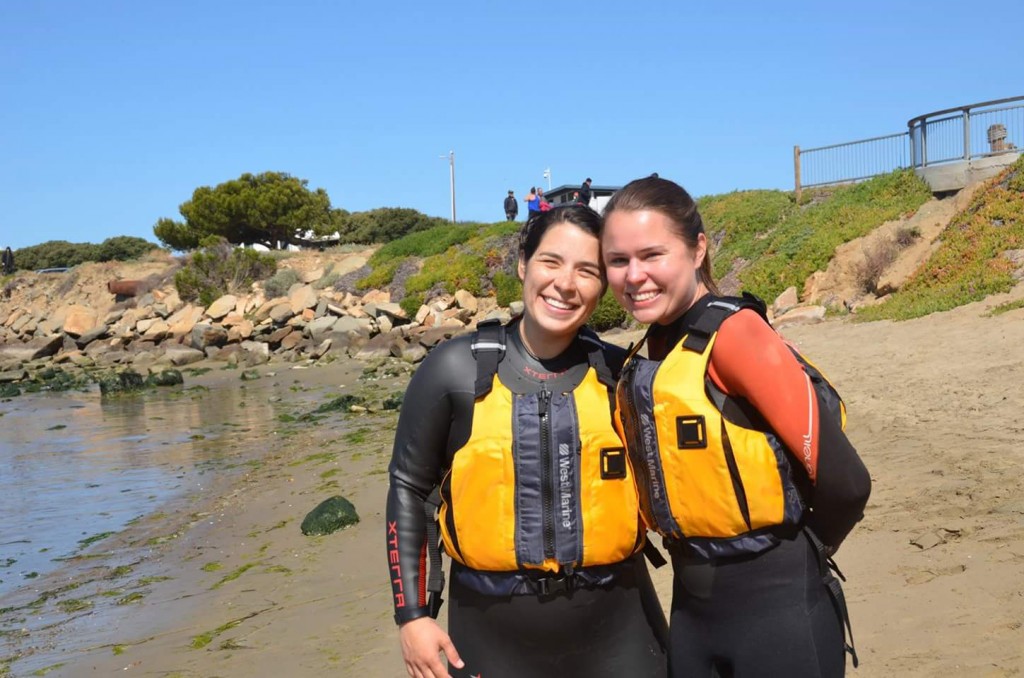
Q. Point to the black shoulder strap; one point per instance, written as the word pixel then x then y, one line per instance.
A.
pixel 435 572
pixel 596 358
pixel 714 314
pixel 488 350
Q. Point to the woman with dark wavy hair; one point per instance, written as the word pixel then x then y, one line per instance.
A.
pixel 510 428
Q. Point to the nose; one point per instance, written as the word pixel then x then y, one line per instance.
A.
pixel 634 272
pixel 565 280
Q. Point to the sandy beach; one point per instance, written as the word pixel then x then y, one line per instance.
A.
pixel 935 571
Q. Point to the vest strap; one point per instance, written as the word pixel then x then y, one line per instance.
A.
pixel 827 566
pixel 488 350
pixel 435 576
pixel 699 334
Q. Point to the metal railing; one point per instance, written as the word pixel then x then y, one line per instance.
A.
pixel 852 161
pixel 954 134
pixel 967 132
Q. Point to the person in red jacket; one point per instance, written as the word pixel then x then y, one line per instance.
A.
pixel 741 462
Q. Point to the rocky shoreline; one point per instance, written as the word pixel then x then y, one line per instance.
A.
pixel 157 330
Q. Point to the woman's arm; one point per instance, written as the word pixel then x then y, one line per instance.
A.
pixel 418 461
pixel 749 360
pixel 432 421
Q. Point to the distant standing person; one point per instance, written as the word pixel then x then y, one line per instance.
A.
pixel 544 204
pixel 585 194
pixel 511 207
pixel 532 205
pixel 8 262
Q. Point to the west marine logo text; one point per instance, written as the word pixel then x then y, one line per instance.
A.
pixel 565 483
pixel 650 453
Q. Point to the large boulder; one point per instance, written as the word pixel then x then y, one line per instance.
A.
pixel 79 320
pixel 222 306
pixel 301 298
pixel 183 355
pixel 41 347
pixel 329 516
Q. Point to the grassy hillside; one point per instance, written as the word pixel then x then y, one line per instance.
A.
pixel 763 237
pixel 969 264
pixel 781 244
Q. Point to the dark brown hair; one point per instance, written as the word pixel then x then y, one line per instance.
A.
pixel 672 200
pixel 533 231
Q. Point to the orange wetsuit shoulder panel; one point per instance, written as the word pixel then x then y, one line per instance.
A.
pixel 750 360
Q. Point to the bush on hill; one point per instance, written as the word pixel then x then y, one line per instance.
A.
pixel 968 265
pixel 384 224
pixel 218 268
pixel 61 253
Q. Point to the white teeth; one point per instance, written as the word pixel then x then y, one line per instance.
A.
pixel 644 296
pixel 558 303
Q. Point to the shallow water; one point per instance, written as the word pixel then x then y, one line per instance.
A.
pixel 74 466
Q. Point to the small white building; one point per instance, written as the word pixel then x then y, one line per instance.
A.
pixel 600 195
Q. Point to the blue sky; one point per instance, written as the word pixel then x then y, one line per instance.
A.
pixel 112 113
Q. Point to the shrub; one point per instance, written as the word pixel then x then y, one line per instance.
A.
pixel 218 268
pixel 507 288
pixel 123 248
pixel 279 284
pixel 876 259
pixel 61 253
pixel 384 224
pixel 411 303
pixel 327 279
pixel 905 237
pixel 423 243
pixel 608 314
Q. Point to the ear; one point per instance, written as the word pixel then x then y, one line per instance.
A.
pixel 521 269
pixel 701 251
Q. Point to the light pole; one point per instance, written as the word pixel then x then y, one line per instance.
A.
pixel 451 167
pixel 547 175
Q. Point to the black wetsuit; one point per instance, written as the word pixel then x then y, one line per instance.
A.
pixel 612 630
pixel 767 614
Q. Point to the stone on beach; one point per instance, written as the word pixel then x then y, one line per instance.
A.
pixel 329 516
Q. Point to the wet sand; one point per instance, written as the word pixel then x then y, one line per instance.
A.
pixel 935 571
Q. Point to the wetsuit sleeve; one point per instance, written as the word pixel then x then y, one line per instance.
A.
pixel 749 360
pixel 418 462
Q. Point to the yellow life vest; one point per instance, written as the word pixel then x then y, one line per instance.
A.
pixel 542 483
pixel 722 484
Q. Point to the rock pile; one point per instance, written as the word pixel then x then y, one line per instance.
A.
pixel 158 329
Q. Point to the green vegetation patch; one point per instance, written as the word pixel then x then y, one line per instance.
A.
pixel 61 253
pixel 88 541
pixel 804 240
pixel 1005 307
pixel 204 639
pixel 233 575
pixel 47 669
pixel 968 265
pixel 741 223
pixel 74 605
pixel 426 243
pixel 220 268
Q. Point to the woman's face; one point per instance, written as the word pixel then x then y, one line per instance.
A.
pixel 562 281
pixel 651 271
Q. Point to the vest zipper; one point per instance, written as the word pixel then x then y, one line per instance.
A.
pixel 546 491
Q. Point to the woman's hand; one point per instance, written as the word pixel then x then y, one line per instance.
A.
pixel 422 643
